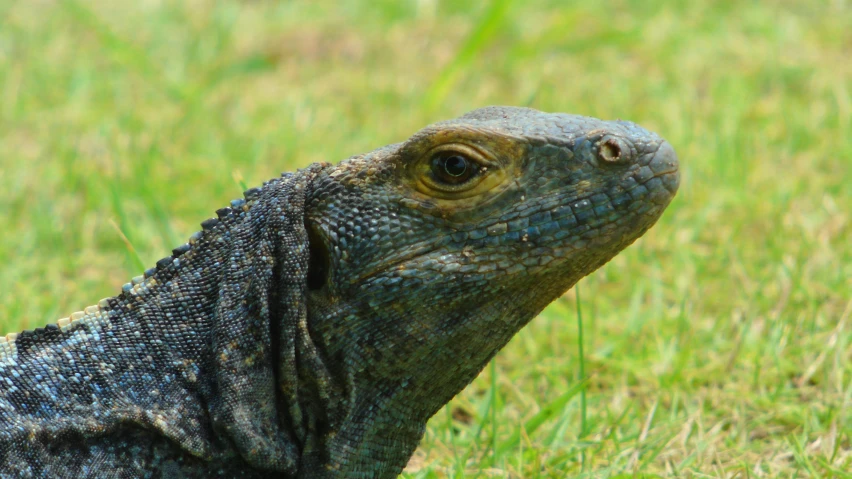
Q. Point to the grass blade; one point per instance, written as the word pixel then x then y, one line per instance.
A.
pixel 547 412
pixel 478 39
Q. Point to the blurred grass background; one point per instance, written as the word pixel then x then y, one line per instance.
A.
pixel 719 345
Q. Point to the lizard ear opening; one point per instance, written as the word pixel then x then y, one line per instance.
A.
pixel 318 261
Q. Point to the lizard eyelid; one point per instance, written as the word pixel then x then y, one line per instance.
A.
pixel 455 167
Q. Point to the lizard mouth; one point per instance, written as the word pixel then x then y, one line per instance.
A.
pixel 397 262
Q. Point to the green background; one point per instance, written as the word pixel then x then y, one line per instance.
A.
pixel 719 345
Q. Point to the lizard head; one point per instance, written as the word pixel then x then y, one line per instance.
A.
pixel 432 253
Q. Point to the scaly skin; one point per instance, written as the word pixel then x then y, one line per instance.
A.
pixel 313 329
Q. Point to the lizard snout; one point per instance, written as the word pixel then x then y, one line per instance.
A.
pixel 664 164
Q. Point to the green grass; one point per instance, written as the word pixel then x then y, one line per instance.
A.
pixel 719 345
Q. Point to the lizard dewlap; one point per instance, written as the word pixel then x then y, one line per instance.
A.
pixel 312 328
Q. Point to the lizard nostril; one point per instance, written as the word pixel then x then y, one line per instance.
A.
pixel 612 150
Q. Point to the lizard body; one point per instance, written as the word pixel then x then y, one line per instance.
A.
pixel 312 328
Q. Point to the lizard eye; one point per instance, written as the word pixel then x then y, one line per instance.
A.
pixel 453 168
pixel 455 171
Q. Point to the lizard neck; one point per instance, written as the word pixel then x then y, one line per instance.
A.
pixel 393 381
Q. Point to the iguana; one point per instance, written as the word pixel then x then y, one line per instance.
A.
pixel 313 327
